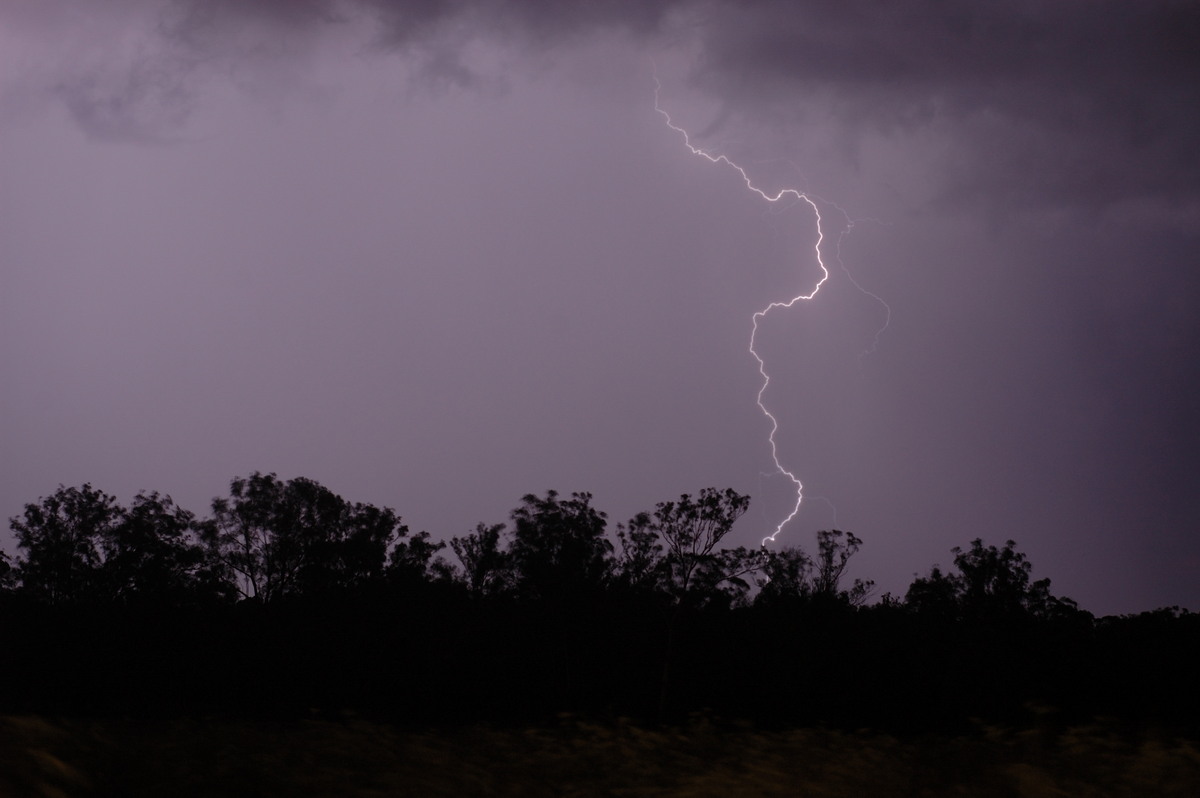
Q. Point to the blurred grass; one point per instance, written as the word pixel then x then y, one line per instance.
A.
pixel 352 757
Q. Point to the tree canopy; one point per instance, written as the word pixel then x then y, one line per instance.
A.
pixel 991 583
pixel 289 595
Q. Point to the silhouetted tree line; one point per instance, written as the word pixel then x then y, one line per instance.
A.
pixel 288 600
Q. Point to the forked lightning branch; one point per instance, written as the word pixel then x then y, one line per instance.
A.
pixel 782 194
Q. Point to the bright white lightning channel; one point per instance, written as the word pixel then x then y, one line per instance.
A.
pixel 788 193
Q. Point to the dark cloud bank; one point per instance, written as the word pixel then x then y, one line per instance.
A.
pixel 1084 104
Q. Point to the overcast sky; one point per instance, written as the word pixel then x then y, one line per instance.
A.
pixel 438 255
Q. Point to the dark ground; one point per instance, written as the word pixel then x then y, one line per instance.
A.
pixel 40 756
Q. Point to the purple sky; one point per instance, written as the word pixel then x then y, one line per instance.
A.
pixel 438 255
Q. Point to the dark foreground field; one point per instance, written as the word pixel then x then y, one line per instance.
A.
pixel 43 757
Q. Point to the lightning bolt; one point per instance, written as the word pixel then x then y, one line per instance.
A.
pixel 794 195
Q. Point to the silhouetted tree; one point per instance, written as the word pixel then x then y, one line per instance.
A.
pixel 558 546
pixel 785 576
pixel 997 581
pixel 721 579
pixel 275 539
pixel 62 540
pixel 693 571
pixel 308 540
pixel 790 575
pixel 936 595
pixel 238 534
pixel 414 560
pixel 487 566
pixel 8 574
pixel 690 529
pixel 371 542
pixel 834 550
pixel 150 555
pixel 991 583
pixel 640 565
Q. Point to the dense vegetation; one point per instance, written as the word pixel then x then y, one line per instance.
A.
pixel 288 601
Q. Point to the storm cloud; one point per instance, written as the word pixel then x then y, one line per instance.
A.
pixel 441 254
